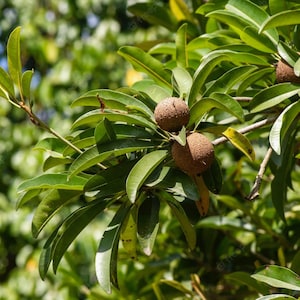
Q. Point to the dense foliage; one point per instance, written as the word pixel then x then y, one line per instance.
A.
pixel 164 233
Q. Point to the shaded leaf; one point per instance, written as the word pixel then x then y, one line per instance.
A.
pixel 142 170
pixel 213 177
pixel 276 297
pixel 181 50
pixel 26 83
pixel 148 223
pixel 105 262
pixel 271 96
pixel 6 84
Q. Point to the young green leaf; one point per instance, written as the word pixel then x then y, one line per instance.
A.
pixel 180 10
pixel 14 56
pixel 26 83
pixel 240 142
pixel 105 262
pixel 6 84
pixel 183 80
pixel 282 125
pixel 144 62
pixel 148 223
pixel 271 96
pixel 279 277
pixel 181 50
pixel 142 170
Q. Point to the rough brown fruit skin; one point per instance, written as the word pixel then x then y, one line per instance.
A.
pixel 196 156
pixel 171 114
pixel 285 73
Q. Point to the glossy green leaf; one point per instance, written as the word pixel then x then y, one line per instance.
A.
pixel 53 201
pixel 104 132
pixel 253 14
pixel 180 10
pixel 144 62
pixel 111 99
pixel 283 18
pixel 271 96
pixel 279 277
pixel 116 148
pixel 51 144
pixel 178 211
pixel 154 14
pixel 105 262
pixel 44 262
pixel 26 83
pixel 72 227
pixel 14 56
pixel 95 116
pixel 148 223
pixel 142 170
pixel 53 181
pixel 52 161
pixel 183 81
pixel 240 142
pixel 181 50
pixel 221 101
pixel 229 80
pixel 6 84
pixel 27 196
pixel 282 124
pixel 213 177
pixel 276 6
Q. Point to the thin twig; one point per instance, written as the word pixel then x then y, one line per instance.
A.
pixel 196 286
pixel 246 129
pixel 258 180
pixel 243 99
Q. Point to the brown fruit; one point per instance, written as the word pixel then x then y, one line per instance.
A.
pixel 285 73
pixel 196 156
pixel 171 114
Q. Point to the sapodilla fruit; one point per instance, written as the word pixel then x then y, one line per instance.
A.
pixel 196 156
pixel 285 73
pixel 171 114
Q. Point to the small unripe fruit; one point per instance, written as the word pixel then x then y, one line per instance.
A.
pixel 171 114
pixel 285 73
pixel 196 156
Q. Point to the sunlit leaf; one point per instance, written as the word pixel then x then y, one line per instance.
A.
pixel 144 62
pixel 26 83
pixel 287 53
pixel 181 50
pixel 14 56
pixel 283 18
pixel 142 170
pixel 240 142
pixel 6 84
pixel 279 277
pixel 276 297
pixel 180 10
pixel 183 81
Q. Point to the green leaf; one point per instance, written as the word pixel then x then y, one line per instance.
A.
pixel 106 256
pixel 181 51
pixel 178 211
pixel 144 62
pixel 279 277
pixel 111 99
pixel 142 170
pixel 104 132
pixel 154 14
pixel 276 297
pixel 6 84
pixel 183 81
pixel 113 149
pixel 281 126
pixel 27 196
pixel 26 83
pixel 240 142
pixel 213 177
pixel 245 278
pixel 95 116
pixel 49 206
pixel 148 223
pixel 283 18
pixel 14 56
pixel 53 181
pixel 53 161
pixel 287 53
pixel 297 67
pixel 271 96
pixel 253 14
pixel 180 10
pixel 216 100
pixel 72 227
